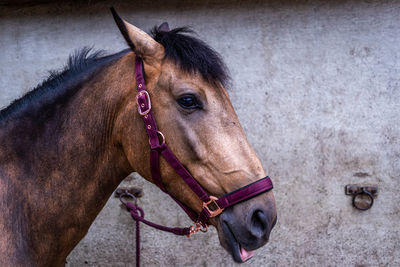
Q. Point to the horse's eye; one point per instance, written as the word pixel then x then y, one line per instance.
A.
pixel 189 102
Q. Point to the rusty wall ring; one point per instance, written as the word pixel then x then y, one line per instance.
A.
pixel 363 192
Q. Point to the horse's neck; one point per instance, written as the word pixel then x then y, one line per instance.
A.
pixel 64 176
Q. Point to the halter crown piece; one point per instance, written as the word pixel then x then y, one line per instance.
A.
pixel 212 206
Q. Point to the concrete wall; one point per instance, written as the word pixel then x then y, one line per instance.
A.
pixel 318 98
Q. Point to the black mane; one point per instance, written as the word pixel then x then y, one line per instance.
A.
pixel 56 88
pixel 192 54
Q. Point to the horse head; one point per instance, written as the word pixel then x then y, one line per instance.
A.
pixel 186 82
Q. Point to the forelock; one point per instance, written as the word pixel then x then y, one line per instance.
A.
pixel 192 55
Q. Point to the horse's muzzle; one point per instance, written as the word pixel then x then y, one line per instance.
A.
pixel 242 232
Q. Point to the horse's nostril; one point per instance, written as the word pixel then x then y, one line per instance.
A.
pixel 259 223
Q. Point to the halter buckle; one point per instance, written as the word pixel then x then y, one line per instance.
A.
pixel 213 210
pixel 142 105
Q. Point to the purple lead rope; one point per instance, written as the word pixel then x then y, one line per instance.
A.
pixel 212 206
pixel 137 214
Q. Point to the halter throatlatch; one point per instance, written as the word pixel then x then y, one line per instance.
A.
pixel 212 206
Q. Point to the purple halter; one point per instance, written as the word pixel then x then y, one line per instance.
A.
pixel 212 206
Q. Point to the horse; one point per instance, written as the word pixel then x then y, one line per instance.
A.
pixel 67 144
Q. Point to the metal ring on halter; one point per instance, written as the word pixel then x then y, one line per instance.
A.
pixel 159 134
pixel 126 193
pixel 203 228
pixel 363 192
pixel 162 136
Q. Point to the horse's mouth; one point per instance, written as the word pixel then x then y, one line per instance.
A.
pixel 238 252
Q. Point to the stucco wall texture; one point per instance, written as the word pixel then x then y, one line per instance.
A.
pixel 316 86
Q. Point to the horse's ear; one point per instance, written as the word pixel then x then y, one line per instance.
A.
pixel 139 41
pixel 163 27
